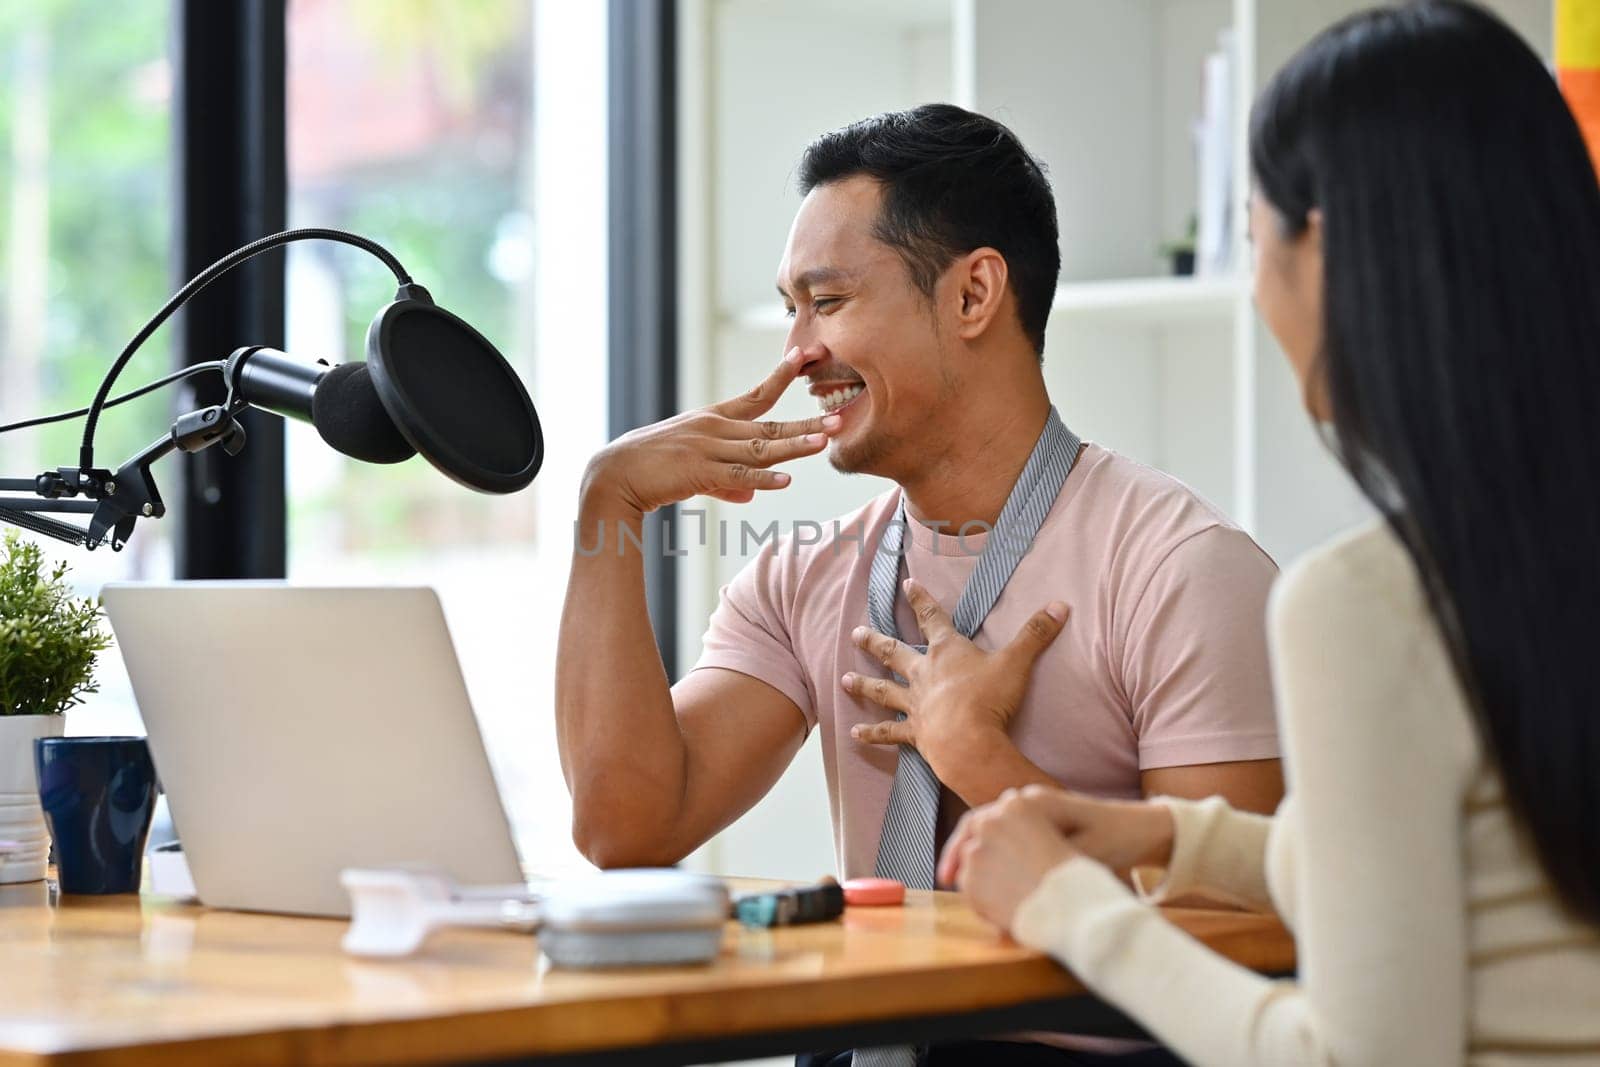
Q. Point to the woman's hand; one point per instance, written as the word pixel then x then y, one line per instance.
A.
pixel 958 696
pixel 999 853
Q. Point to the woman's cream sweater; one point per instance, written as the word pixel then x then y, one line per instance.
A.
pixel 1425 929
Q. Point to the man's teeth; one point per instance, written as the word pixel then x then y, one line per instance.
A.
pixel 839 397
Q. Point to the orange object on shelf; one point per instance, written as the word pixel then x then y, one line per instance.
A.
pixel 1578 66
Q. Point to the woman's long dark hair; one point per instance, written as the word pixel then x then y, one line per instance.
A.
pixel 1461 355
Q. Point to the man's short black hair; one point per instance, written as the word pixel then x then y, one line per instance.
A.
pixel 952 181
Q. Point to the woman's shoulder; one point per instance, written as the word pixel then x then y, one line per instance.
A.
pixel 1362 583
pixel 1359 659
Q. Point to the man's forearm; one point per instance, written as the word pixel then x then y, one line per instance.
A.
pixel 625 754
pixel 621 749
pixel 985 766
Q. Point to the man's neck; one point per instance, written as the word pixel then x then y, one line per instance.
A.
pixel 972 477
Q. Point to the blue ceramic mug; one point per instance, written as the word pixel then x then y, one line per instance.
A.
pixel 98 794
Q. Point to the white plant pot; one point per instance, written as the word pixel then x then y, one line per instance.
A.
pixel 21 818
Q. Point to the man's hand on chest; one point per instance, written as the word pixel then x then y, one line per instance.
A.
pixel 958 700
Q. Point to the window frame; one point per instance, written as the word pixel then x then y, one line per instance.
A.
pixel 231 182
pixel 230 166
pixel 643 260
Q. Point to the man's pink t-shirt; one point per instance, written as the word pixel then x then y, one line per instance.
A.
pixel 1163 661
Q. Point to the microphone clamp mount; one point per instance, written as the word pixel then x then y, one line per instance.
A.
pixel 116 500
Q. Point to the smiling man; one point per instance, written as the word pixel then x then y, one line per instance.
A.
pixel 919 273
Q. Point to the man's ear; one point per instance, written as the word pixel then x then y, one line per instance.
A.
pixel 980 278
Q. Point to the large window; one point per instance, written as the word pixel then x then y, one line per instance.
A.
pixel 468 138
pixel 85 228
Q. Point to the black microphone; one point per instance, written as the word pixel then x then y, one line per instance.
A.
pixel 431 384
pixel 340 401
pixel 453 395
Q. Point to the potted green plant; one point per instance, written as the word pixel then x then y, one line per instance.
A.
pixel 49 639
pixel 1180 253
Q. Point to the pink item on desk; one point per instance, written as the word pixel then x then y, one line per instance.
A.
pixel 874 892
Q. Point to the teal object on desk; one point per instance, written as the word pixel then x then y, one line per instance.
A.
pixel 760 909
pixel 98 794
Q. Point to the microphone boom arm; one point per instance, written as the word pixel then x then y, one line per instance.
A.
pixel 116 500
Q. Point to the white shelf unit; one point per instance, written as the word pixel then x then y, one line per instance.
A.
pixel 1148 300
pixel 1151 300
pixel 1175 372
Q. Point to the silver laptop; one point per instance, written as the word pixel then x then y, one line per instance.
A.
pixel 300 731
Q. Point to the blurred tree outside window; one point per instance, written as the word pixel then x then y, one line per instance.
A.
pixel 85 192
pixel 413 122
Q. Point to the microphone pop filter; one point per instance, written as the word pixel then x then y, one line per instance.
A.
pixel 453 396
pixel 346 411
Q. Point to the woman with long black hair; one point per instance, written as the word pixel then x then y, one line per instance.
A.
pixel 1426 225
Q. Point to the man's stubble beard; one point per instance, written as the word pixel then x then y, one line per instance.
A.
pixel 886 454
pixel 861 457
pixel 890 455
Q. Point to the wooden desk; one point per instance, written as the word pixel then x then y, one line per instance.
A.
pixel 130 981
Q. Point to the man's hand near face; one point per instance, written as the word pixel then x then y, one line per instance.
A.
pixel 718 451
pixel 655 770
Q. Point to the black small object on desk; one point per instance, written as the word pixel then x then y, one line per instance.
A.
pixel 789 907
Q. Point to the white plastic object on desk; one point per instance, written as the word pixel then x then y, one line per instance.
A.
pixel 611 919
pixel 635 917
pixel 392 912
